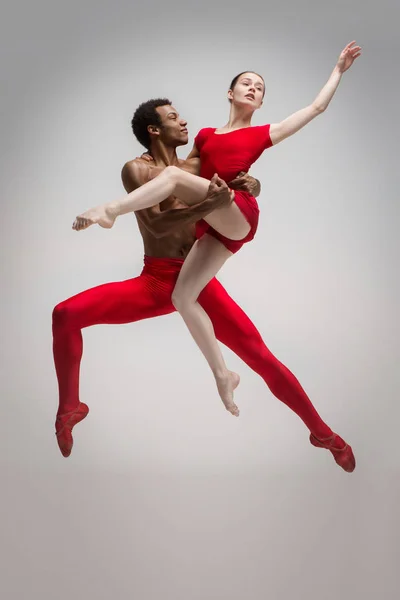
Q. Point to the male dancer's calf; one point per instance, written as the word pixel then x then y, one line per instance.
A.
pixel 168 232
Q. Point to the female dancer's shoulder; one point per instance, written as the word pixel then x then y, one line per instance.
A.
pixel 263 134
pixel 202 136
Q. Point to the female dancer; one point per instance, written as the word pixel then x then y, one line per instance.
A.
pixel 226 151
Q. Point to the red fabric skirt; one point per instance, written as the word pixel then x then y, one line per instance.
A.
pixel 249 207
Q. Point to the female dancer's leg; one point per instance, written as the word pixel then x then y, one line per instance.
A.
pixel 202 263
pixel 191 189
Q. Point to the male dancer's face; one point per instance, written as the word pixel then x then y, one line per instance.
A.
pixel 173 131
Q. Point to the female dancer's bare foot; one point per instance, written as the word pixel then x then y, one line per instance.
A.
pixel 101 215
pixel 226 384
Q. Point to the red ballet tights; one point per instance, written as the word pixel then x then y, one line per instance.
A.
pixel 148 296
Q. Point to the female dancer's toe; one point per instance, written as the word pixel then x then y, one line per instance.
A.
pixel 101 215
pixel 226 384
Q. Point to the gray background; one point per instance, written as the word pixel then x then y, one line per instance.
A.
pixel 165 494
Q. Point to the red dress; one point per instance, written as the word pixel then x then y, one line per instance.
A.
pixel 227 154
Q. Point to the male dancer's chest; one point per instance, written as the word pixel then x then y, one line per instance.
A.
pixel 175 244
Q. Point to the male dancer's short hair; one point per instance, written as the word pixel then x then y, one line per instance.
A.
pixel 146 115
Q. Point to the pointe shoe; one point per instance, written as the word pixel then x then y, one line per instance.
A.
pixel 64 425
pixel 344 457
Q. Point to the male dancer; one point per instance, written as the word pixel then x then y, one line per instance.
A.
pixel 168 234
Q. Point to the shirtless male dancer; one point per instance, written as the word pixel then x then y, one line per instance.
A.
pixel 168 232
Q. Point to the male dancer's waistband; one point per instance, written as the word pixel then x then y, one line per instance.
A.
pixel 163 263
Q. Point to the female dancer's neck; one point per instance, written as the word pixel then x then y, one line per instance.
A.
pixel 238 118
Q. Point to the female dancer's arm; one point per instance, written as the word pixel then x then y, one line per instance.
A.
pixel 296 121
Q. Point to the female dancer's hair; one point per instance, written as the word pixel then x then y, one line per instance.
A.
pixel 236 79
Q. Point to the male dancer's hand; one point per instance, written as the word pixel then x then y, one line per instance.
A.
pixel 218 193
pixel 243 182
pixel 246 183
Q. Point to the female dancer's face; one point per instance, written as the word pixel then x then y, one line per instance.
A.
pixel 248 91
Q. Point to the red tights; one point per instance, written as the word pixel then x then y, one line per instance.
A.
pixel 148 296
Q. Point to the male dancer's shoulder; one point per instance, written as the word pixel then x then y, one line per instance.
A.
pixel 134 174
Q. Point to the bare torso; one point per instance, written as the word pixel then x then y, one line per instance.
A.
pixel 176 244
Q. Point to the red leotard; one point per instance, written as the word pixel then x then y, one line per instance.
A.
pixel 227 154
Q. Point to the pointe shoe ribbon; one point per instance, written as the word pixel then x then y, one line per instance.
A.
pixel 344 457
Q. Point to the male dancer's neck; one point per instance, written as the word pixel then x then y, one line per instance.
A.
pixel 163 155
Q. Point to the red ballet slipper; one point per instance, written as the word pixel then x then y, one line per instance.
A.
pixel 343 456
pixel 64 425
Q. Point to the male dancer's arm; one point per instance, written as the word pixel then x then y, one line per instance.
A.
pixel 243 181
pixel 161 223
pixel 246 183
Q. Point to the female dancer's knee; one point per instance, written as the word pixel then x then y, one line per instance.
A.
pixel 181 300
pixel 177 300
pixel 171 173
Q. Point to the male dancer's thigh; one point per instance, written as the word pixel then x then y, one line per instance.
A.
pixel 142 297
pixel 231 324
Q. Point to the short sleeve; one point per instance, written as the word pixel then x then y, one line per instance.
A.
pixel 266 139
pixel 201 137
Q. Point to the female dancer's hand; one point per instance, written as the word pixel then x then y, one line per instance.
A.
pixel 348 56
pixel 146 157
pixel 218 192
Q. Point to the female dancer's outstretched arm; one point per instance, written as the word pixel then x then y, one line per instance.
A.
pixel 296 121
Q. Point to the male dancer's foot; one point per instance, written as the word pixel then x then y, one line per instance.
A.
pixel 341 452
pixel 64 425
pixel 104 216
pixel 226 384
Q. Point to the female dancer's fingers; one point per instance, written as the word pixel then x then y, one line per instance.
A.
pixel 213 182
pixel 222 185
pixel 147 157
pixel 220 182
